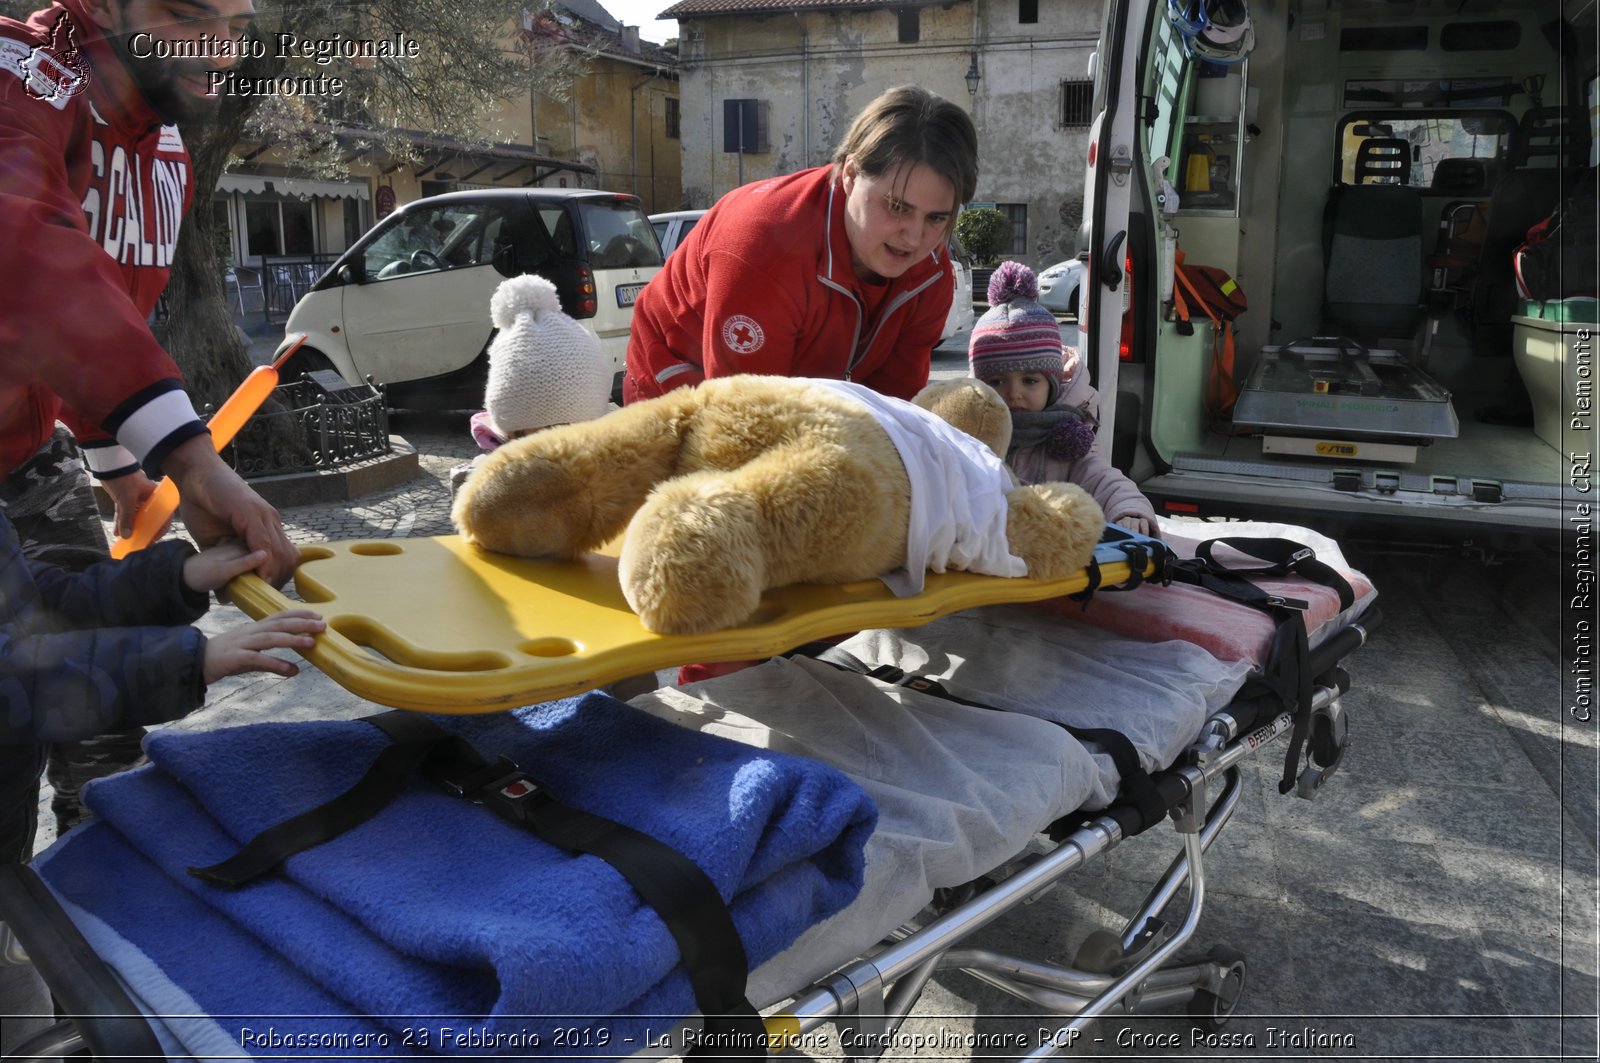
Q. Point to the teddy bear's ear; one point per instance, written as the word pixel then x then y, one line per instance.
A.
pixel 973 407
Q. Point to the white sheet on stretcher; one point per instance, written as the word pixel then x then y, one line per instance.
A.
pixel 961 790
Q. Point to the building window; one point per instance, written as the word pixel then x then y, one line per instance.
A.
pixel 910 25
pixel 744 127
pixel 1027 11
pixel 278 228
pixel 672 118
pixel 1077 103
pixel 352 222
pixel 1018 213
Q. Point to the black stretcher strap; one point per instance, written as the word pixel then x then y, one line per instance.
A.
pixel 1139 555
pixel 86 990
pixel 680 892
pixel 1137 788
pixel 1286 675
pixel 380 785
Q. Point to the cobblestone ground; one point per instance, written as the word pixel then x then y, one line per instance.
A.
pixel 420 507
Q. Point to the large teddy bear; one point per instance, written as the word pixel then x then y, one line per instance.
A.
pixel 750 482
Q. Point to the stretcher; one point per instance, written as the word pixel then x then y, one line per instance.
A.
pixel 963 752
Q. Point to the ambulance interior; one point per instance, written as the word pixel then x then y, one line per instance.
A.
pixel 1365 173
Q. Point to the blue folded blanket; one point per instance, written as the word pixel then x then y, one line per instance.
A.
pixel 437 912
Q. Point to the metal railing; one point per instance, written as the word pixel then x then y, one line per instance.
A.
pixel 285 278
pixel 310 430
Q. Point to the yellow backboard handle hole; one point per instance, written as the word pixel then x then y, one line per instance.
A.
pixel 550 647
pixel 373 636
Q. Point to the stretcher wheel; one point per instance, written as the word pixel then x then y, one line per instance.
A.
pixel 1100 953
pixel 1211 1011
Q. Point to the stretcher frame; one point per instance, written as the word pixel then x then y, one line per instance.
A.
pixel 1134 971
pixel 1131 972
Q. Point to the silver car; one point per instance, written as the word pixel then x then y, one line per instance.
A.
pixel 1058 287
pixel 673 228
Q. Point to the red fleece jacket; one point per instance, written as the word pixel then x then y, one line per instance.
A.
pixel 764 284
pixel 92 190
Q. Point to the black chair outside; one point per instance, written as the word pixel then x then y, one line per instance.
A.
pixel 288 277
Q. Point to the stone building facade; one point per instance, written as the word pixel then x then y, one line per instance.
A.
pixel 771 88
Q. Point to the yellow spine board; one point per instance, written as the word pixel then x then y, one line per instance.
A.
pixel 436 625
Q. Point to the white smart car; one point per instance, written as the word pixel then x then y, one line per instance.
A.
pixel 408 304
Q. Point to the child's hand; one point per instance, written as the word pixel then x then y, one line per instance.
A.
pixel 1138 525
pixel 213 567
pixel 241 650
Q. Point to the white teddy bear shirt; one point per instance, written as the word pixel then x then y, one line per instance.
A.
pixel 958 493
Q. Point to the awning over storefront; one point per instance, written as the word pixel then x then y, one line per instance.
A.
pixel 467 160
pixel 301 187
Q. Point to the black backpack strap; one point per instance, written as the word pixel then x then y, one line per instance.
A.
pixel 680 892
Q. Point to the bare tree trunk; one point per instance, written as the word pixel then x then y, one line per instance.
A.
pixel 200 332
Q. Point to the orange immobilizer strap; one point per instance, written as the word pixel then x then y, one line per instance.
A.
pixel 158 509
pixel 1221 391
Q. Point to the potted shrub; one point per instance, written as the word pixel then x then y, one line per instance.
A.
pixel 985 233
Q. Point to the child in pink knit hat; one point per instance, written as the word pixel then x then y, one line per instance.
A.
pixel 1016 349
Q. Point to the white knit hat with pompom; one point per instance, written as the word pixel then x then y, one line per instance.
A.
pixel 544 368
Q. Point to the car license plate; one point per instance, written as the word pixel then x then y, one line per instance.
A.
pixel 627 293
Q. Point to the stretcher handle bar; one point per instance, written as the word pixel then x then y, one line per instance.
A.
pixel 1158 992
pixel 904 994
pixel 1069 1033
pixel 61 1040
pixel 1012 970
pixel 820 1002
pixel 1345 642
pixel 1217 763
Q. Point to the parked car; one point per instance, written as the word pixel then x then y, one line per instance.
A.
pixel 408 304
pixel 1058 287
pixel 961 315
pixel 672 228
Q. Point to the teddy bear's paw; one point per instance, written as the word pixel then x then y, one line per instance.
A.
pixel 1053 527
pixel 692 557
pixel 531 507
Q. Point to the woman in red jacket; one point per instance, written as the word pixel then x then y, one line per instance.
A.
pixel 841 271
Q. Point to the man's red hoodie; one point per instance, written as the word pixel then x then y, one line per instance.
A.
pixel 93 188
